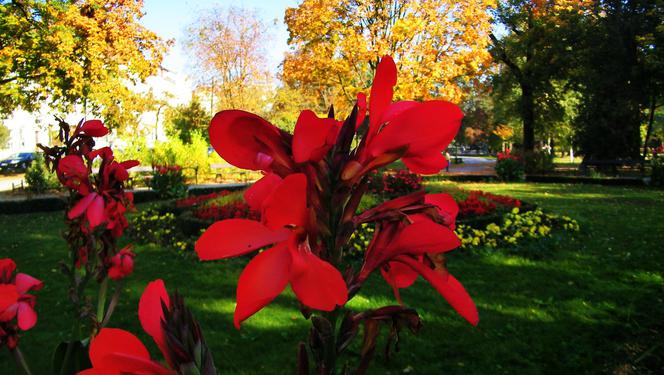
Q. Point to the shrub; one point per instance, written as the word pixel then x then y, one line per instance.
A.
pixel 657 176
pixel 159 228
pixel 479 203
pixel 394 184
pixel 515 227
pixel 539 162
pixel 39 178
pixel 509 167
pixel 168 181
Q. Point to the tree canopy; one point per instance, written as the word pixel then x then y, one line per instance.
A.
pixel 85 52
pixel 439 46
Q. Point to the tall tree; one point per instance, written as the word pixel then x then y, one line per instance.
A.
pixel 229 46
pixel 439 46
pixel 84 52
pixel 621 74
pixel 538 36
pixel 184 120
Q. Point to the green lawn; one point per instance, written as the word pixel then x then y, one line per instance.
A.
pixel 588 304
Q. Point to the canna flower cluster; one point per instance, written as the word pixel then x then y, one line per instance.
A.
pixel 16 304
pixel 96 181
pixel 313 182
pixel 172 327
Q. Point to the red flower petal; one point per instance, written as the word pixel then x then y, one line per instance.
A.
pixel 8 296
pixel 261 190
pixel 150 311
pixel 128 164
pixel 81 206
pixel 313 136
pixel 447 206
pixel 116 351
pixel 105 152
pixel 427 129
pixel 448 287
pixel 27 317
pixel 381 92
pixel 94 128
pixel 240 137
pixel 25 283
pixel 233 237
pixel 430 163
pixel 7 267
pixel 361 109
pixel 399 275
pixel 316 283
pixel 288 204
pixel 263 279
pixel 113 340
pixel 396 109
pixel 72 166
pixel 424 237
pixel 95 212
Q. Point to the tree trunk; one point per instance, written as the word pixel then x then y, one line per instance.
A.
pixel 528 116
pixel 651 119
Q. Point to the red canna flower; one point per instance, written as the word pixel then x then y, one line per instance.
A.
pixel 73 173
pixel 402 250
pixel 416 132
pixel 121 264
pixel 247 141
pixel 313 137
pixel 15 302
pixel 171 326
pixel 115 352
pixel 92 128
pixel 316 283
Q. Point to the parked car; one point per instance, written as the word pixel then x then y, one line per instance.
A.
pixel 17 162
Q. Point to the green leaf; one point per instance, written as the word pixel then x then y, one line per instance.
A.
pixel 71 357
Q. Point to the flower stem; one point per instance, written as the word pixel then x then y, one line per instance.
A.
pixel 101 300
pixel 20 361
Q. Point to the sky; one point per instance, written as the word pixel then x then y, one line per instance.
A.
pixel 170 18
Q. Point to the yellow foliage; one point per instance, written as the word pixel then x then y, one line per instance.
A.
pixel 440 47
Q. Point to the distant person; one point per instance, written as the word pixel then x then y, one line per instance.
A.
pixel 447 156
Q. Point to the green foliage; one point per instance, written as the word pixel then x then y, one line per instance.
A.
pixel 621 69
pixel 153 226
pixel 39 178
pixel 539 162
pixel 192 155
pixel 510 170
pixel 185 120
pixel 4 136
pixel 657 176
pixel 169 182
pixel 516 226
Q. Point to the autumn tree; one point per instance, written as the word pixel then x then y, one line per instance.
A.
pixel 4 136
pixel 439 45
pixel 228 45
pixel 86 52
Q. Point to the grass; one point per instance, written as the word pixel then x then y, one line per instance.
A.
pixel 588 304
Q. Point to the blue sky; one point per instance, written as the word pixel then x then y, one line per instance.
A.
pixel 169 19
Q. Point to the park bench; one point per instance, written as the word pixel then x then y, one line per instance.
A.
pixel 141 172
pixel 612 164
pixel 221 170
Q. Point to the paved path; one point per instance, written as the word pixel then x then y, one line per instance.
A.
pixel 7 180
pixel 473 165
